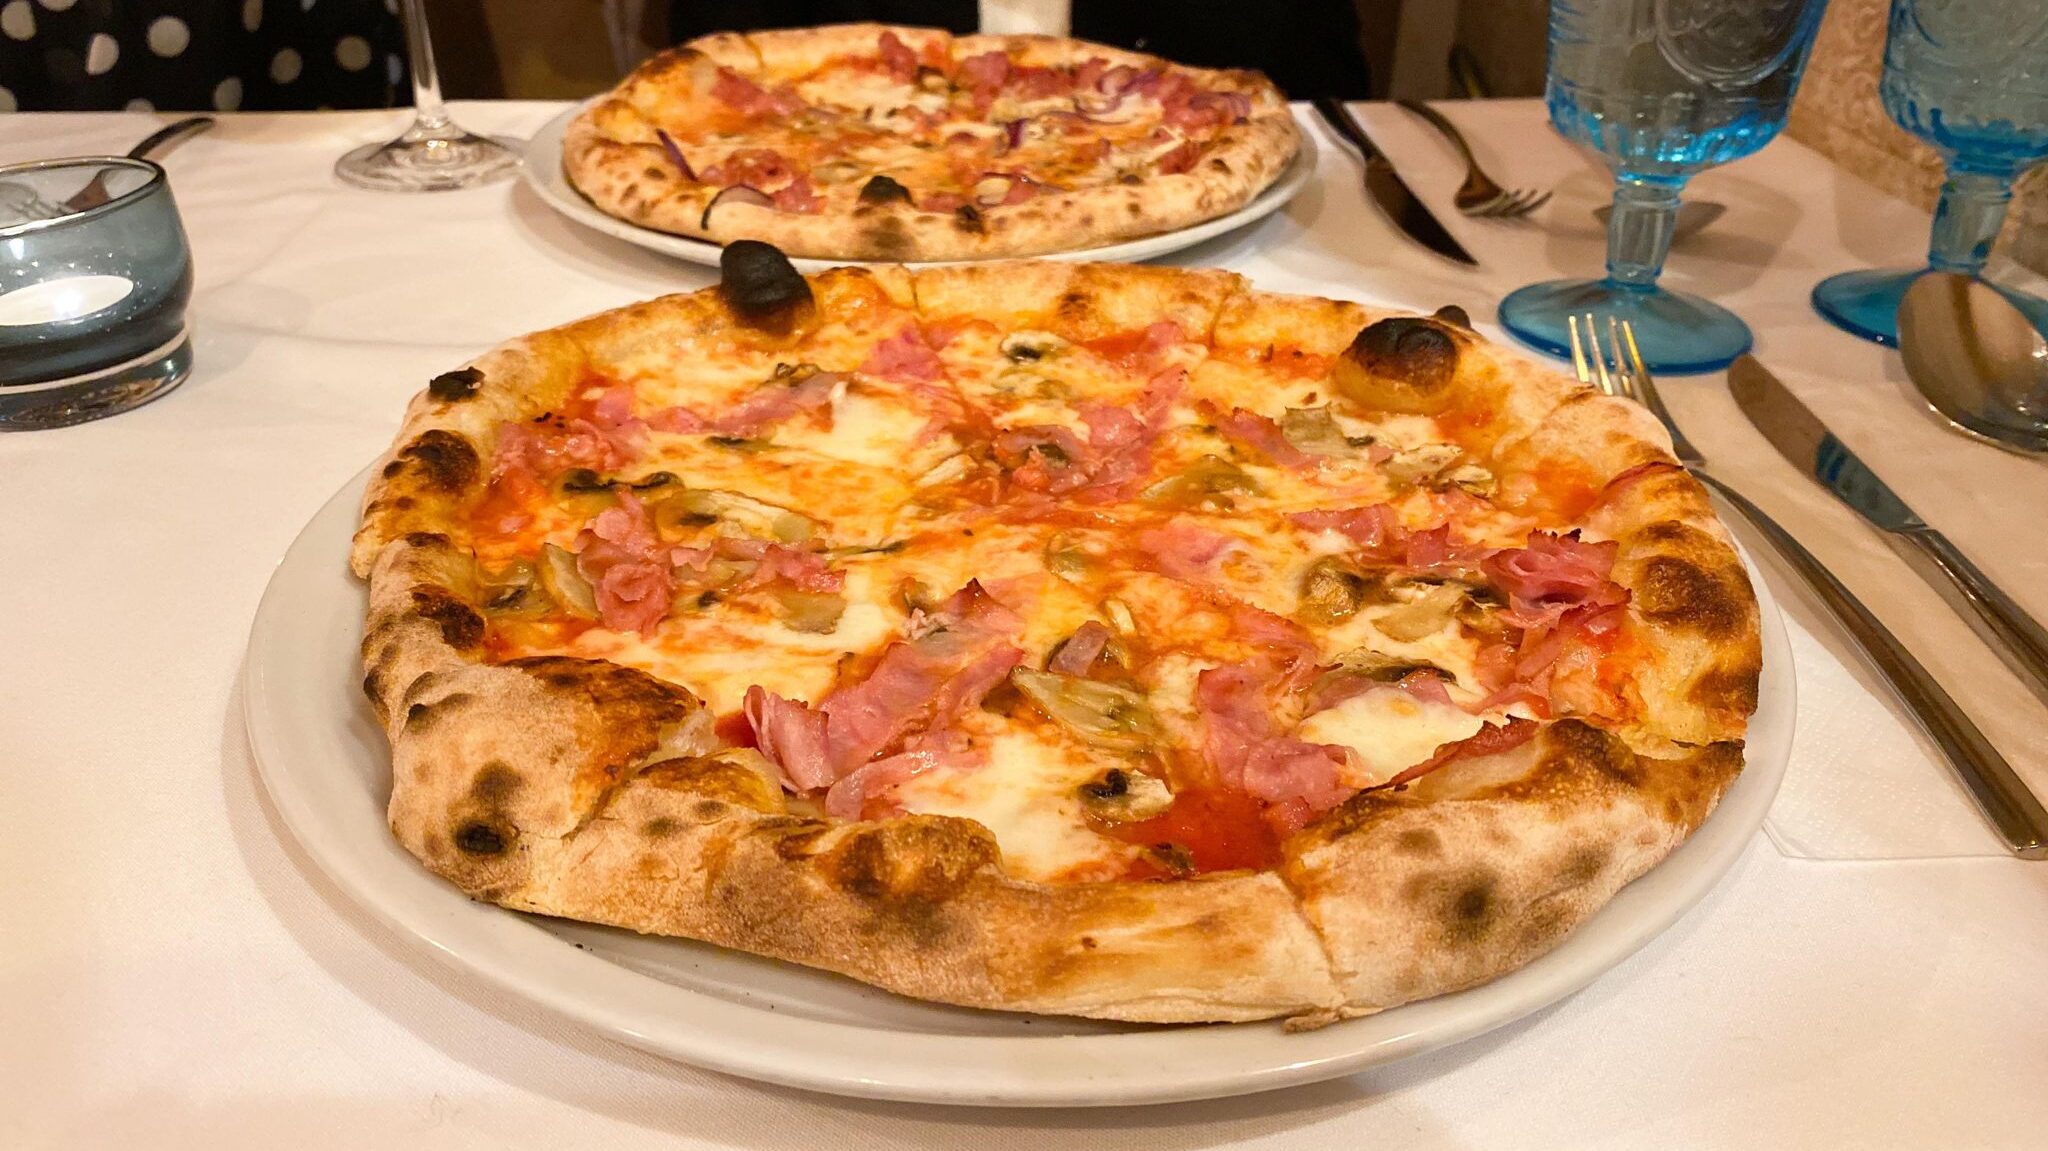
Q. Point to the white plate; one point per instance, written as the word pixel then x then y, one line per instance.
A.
pixel 543 173
pixel 325 763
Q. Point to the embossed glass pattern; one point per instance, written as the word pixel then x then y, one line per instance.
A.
pixel 1969 77
pixel 1661 89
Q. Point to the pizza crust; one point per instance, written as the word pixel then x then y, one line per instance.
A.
pixel 612 156
pixel 585 789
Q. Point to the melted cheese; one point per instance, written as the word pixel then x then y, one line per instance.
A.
pixel 1027 797
pixel 866 429
pixel 1390 730
pixel 718 658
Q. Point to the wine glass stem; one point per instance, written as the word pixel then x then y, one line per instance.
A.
pixel 1967 220
pixel 1639 231
pixel 430 116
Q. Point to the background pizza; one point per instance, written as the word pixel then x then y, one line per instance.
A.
pixel 1103 640
pixel 870 142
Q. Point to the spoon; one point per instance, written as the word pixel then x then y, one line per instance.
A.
pixel 1977 360
pixel 95 193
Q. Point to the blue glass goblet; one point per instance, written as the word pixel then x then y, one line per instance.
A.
pixel 1662 89
pixel 1970 78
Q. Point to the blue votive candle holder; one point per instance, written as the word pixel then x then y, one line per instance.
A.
pixel 95 275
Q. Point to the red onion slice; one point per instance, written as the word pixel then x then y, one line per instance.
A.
pixel 1013 134
pixel 737 194
pixel 675 155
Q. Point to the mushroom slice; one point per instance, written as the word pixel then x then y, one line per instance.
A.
pixel 1423 463
pixel 1025 346
pixel 1332 591
pixel 1120 795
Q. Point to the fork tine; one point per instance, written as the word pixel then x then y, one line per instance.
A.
pixel 1540 199
pixel 1624 378
pixel 1579 364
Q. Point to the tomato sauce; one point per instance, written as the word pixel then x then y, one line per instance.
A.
pixel 1219 830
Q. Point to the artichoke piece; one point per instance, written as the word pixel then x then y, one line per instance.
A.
pixel 1332 591
pixel 1423 608
pixel 558 573
pixel 1104 714
pixel 1422 464
pixel 695 507
pixel 1121 796
pixel 1365 663
pixel 1068 555
pixel 1315 431
pixel 816 612
pixel 1473 478
pixel 515 591
pixel 1207 482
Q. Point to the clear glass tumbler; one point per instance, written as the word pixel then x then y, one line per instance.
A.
pixel 1971 78
pixel 1661 89
pixel 436 154
pixel 92 299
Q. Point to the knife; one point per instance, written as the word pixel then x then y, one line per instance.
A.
pixel 1389 191
pixel 1804 440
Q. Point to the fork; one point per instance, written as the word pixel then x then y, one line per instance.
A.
pixel 1998 792
pixel 1479 195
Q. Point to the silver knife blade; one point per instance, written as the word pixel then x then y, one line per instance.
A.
pixel 1389 191
pixel 1800 436
pixel 1408 213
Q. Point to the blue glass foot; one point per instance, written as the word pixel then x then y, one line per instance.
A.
pixel 1867 303
pixel 1678 333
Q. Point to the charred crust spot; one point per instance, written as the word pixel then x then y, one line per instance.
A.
pixel 910 867
pixel 403 503
pixel 447 461
pixel 1088 943
pixel 1729 686
pixel 1418 841
pixel 496 782
pixel 797 839
pixel 1577 747
pixel 421 716
pixel 426 539
pixel 392 469
pixel 660 827
pixel 1453 315
pixel 708 810
pixel 1421 353
pixel 461 627
pixel 1680 593
pixel 1585 865
pixel 479 838
pixel 883 190
pixel 968 218
pixel 460 384
pixel 1473 909
pixel 761 285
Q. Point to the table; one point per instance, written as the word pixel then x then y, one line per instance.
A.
pixel 175 974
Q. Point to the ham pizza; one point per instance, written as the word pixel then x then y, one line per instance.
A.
pixel 865 141
pixel 1086 639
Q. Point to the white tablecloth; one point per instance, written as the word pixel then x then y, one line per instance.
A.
pixel 173 972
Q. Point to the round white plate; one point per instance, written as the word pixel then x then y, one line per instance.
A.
pixel 543 173
pixel 325 763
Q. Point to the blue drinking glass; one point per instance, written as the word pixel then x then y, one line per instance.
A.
pixel 1971 78
pixel 1662 89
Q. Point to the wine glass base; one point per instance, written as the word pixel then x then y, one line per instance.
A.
pixel 437 162
pixel 1678 334
pixel 1866 303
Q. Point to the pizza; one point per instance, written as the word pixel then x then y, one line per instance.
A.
pixel 865 141
pixel 1090 639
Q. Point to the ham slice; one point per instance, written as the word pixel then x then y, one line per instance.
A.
pixel 1044 458
pixel 903 357
pixel 1261 435
pixel 1552 575
pixel 1183 550
pixel 1078 655
pixel 776 402
pixel 748 98
pixel 958 654
pixel 1248 752
pixel 1491 740
pixel 1376 528
pixel 897 58
pixel 627 566
pixel 848 797
pixel 983 77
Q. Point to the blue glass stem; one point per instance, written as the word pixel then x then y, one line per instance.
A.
pixel 1639 231
pixel 1967 220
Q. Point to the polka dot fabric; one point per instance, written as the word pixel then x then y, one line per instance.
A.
pixel 201 55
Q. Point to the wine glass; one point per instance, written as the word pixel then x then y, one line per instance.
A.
pixel 435 154
pixel 1970 78
pixel 1661 89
